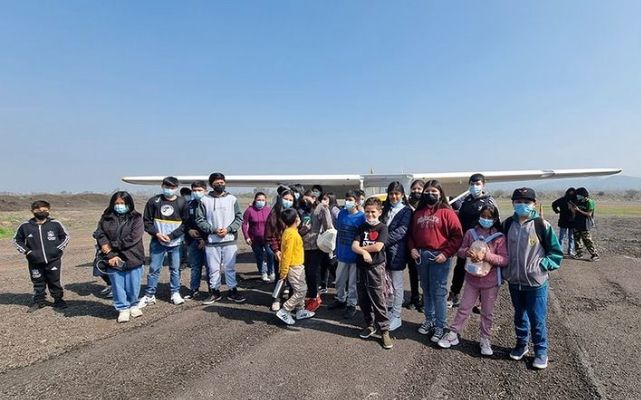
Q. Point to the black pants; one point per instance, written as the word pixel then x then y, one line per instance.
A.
pixel 106 279
pixel 415 295
pixel 458 276
pixel 314 261
pixel 327 267
pixel 370 284
pixel 43 275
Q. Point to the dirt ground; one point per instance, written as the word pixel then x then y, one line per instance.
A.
pixel 228 350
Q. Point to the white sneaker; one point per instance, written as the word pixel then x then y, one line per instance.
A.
pixel 135 312
pixel 145 300
pixel 264 277
pixel 395 323
pixel 123 316
pixel 276 305
pixel 303 314
pixel 272 277
pixel 486 347
pixel 448 340
pixel 176 299
pixel 285 316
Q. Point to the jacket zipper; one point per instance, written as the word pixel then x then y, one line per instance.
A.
pixel 44 253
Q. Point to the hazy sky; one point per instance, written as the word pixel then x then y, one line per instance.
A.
pixel 91 91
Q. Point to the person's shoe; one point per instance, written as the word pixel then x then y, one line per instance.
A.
pixel 426 328
pixel 486 347
pixel 60 304
pixel 386 341
pixel 595 257
pixel 123 316
pixel 395 323
pixel 135 312
pixel 439 333
pixel 454 299
pixel 577 256
pixel 409 305
pixel 184 266
pixel 518 352
pixel 176 299
pixel 337 304
pixel 476 309
pixel 272 277
pixel 36 306
pixel 448 340
pixel 146 300
pixel 367 332
pixel 285 316
pixel 235 296
pixel 540 362
pixel 304 314
pixel 264 277
pixel 322 290
pixel 214 296
pixel 450 300
pixel 107 293
pixel 350 312
pixel 286 292
pixel 191 295
pixel 275 305
pixel 313 304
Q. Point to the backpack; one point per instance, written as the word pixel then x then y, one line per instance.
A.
pixel 539 227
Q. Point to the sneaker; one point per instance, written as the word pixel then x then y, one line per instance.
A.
pixel 313 304
pixel 486 347
pixel 60 304
pixel 518 352
pixel 453 300
pixel 322 290
pixel 350 312
pixel 439 333
pixel 106 293
pixel 367 332
pixel 235 296
pixel 304 314
pixel 192 295
pixel 448 340
pixel 386 340
pixel 426 328
pixel 395 323
pixel 176 299
pixel 214 296
pixel 146 300
pixel 275 305
pixel 409 305
pixel 264 277
pixel 476 309
pixel 285 316
pixel 135 312
pixel 336 304
pixel 272 277
pixel 540 362
pixel 595 257
pixel 36 306
pixel 123 316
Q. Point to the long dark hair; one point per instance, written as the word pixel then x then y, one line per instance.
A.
pixel 395 186
pixel 277 210
pixel 442 201
pixel 256 196
pixel 495 215
pixel 332 199
pixel 126 197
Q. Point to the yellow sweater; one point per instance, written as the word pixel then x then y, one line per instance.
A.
pixel 293 254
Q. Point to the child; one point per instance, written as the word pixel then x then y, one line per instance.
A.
pixel 42 240
pixel 486 286
pixel 533 250
pixel 583 212
pixel 292 269
pixel 369 245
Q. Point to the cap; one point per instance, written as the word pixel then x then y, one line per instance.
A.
pixel 524 193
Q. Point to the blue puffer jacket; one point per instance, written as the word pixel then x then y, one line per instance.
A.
pixel 396 246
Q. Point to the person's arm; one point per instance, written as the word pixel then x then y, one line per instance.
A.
pixel 400 231
pixel 148 218
pixel 554 255
pixel 201 220
pixel 245 225
pixel 238 219
pixel 63 235
pixel 497 253
pixel 287 255
pixel 184 218
pixel 556 206
pixel 326 216
pixel 19 240
pixel 467 241
pixel 134 235
pixel 455 233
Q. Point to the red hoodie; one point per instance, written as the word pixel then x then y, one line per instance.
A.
pixel 436 229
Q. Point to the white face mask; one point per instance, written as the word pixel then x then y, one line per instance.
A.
pixel 373 222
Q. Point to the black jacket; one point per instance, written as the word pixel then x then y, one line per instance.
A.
pixel 566 217
pixel 128 245
pixel 41 243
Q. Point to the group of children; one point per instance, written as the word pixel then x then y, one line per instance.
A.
pixel 375 241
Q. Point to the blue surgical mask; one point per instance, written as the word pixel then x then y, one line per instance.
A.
pixel 316 193
pixel 476 190
pixel 197 195
pixel 121 208
pixel 168 192
pixel 259 204
pixel 523 209
pixel 350 204
pixel 486 223
pixel 286 203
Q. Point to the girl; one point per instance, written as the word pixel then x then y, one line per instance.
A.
pixel 274 228
pixel 119 236
pixel 329 200
pixel 415 302
pixel 435 236
pixel 487 287
pixel 254 221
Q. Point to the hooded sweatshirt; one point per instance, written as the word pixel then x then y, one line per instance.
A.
pixel 254 221
pixel 435 229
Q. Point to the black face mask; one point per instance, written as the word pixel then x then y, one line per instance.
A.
pixel 41 215
pixel 430 198
pixel 219 189
pixel 416 196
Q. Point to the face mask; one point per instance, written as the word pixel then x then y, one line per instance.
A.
pixel 316 193
pixel 197 195
pixel 350 204
pixel 373 222
pixel 41 215
pixel 394 203
pixel 431 198
pixel 415 196
pixel 486 223
pixel 523 210
pixel 219 188
pixel 121 208
pixel 259 204
pixel 476 190
pixel 168 192
pixel 579 197
pixel 286 203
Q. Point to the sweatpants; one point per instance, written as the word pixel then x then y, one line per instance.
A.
pixel 471 293
pixel 221 257
pixel 46 275
pixel 346 283
pixel 370 282
pixel 296 279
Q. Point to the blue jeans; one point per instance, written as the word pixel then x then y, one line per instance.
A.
pixel 264 252
pixel 125 286
pixel 157 252
pixel 196 262
pixel 530 313
pixel 569 232
pixel 433 278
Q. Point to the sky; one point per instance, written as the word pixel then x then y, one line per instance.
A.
pixel 91 91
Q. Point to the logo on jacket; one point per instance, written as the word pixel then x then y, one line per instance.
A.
pixel 35 274
pixel 533 240
pixel 167 210
pixel 51 235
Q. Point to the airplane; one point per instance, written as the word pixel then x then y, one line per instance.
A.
pixel 452 182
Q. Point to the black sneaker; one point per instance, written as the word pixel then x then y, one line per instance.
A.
pixel 214 296
pixel 36 306
pixel 193 294
pixel 235 296
pixel 60 304
pixel 350 312
pixel 595 257
pixel 336 304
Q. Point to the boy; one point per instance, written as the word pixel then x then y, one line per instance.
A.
pixel 292 269
pixel 164 218
pixel 369 245
pixel 194 240
pixel 583 212
pixel 42 240
pixel 533 250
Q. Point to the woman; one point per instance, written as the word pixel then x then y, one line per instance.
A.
pixel 415 302
pixel 435 236
pixel 254 221
pixel 119 236
pixel 397 214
